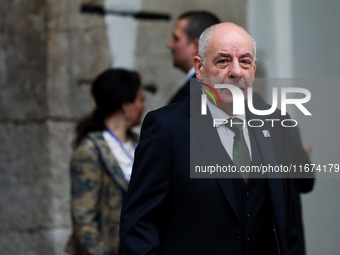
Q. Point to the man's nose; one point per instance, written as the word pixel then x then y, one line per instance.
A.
pixel 235 70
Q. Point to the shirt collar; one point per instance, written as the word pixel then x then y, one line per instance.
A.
pixel 217 113
pixel 190 74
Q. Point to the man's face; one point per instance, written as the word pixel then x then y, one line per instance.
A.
pixel 183 50
pixel 229 60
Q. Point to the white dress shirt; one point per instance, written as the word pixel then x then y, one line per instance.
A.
pixel 190 74
pixel 225 134
pixel 123 160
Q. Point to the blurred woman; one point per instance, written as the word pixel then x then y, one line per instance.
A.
pixel 102 163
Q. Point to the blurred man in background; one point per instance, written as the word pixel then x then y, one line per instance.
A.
pixel 184 45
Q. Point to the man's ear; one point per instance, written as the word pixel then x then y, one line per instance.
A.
pixel 255 61
pixel 198 65
pixel 195 45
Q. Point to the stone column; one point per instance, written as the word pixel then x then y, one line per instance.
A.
pixel 47 50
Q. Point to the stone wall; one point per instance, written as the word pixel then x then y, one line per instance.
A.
pixel 49 52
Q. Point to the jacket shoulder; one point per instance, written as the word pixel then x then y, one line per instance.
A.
pixel 171 113
pixel 87 150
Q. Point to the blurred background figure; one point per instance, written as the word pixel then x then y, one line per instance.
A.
pixel 102 163
pixel 184 45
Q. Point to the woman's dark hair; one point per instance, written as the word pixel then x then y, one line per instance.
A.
pixel 110 90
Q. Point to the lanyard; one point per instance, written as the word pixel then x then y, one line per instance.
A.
pixel 120 144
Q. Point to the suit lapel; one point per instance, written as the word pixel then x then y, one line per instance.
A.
pixel 267 152
pixel 109 160
pixel 216 154
pixel 208 138
pixel 264 144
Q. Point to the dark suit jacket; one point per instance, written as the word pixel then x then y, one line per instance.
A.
pixel 300 185
pixel 183 92
pixel 167 212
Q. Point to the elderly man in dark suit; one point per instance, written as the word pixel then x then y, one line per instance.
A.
pixel 168 212
pixel 184 45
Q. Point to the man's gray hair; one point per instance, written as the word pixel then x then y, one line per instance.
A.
pixel 204 42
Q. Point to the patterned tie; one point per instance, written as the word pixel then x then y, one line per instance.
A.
pixel 241 155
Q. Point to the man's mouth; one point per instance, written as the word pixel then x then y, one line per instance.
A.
pixel 240 86
pixel 238 83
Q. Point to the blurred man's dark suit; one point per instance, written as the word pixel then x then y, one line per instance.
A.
pixel 167 212
pixel 183 92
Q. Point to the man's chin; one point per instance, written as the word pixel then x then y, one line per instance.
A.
pixel 225 93
pixel 227 100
